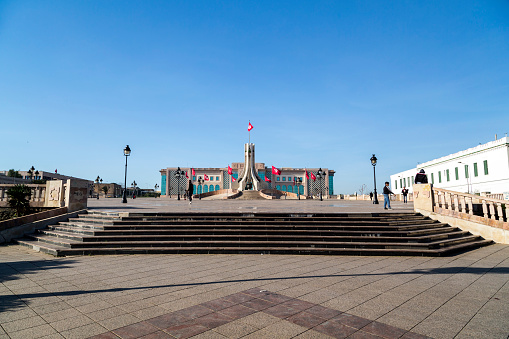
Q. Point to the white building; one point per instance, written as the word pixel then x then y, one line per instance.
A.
pixel 480 169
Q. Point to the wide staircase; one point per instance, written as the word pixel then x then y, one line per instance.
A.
pixel 244 233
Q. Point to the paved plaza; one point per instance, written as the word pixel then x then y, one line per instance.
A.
pixel 151 205
pixel 253 296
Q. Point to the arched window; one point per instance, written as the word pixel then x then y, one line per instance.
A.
pixel 301 189
pixel 290 189
pixel 283 188
pixel 217 187
pixel 278 187
pixel 205 189
pixel 199 189
pixel 211 188
pixel 194 189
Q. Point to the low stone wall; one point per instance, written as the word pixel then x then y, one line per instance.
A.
pixel 218 192
pixel 18 227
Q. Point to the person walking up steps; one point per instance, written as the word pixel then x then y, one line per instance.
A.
pixel 387 198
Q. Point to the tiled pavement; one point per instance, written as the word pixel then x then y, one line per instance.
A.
pixel 218 296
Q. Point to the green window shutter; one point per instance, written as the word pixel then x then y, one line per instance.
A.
pixel 475 170
pixel 456 173
pixel 485 162
pixel 466 171
pixel 447 174
pixel 396 184
pixel 439 177
pixel 432 178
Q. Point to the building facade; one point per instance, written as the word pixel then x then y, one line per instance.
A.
pixel 480 169
pixel 218 178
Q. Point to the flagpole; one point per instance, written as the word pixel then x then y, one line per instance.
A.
pixel 249 134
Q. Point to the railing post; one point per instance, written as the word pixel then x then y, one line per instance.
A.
pixel 500 211
pixel 485 209
pixel 463 204
pixel 492 210
pixel 436 202
pixel 470 206
pixel 456 203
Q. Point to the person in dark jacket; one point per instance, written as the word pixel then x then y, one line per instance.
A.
pixel 404 191
pixel 421 177
pixel 387 192
pixel 190 191
pixel 371 196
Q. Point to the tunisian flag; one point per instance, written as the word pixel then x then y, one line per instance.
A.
pixel 192 171
pixel 187 176
pixel 307 175
pixel 313 176
pixel 230 170
pixel 267 179
pixel 249 127
pixel 276 171
pixel 206 177
pixel 233 179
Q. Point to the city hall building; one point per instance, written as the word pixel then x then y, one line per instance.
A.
pixel 218 178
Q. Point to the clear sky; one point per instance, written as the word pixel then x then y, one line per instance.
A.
pixel 324 83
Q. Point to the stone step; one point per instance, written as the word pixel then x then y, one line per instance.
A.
pixel 263 250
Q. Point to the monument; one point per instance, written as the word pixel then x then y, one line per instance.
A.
pixel 248 179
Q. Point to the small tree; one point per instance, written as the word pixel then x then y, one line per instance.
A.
pixel 105 190
pixel 19 199
pixel 12 173
pixel 363 189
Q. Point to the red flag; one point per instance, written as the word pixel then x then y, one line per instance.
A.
pixel 313 176
pixel 192 171
pixel 55 171
pixel 276 171
pixel 249 127
pixel 307 175
pixel 233 179
pixel 206 177
pixel 230 170
pixel 267 179
pixel 187 175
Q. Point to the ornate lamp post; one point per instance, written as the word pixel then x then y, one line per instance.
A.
pixel 127 152
pixel 31 172
pixel 200 183
pixel 97 180
pixel 373 162
pixel 320 175
pixel 298 181
pixel 179 174
pixel 36 175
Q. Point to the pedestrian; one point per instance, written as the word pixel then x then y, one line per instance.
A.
pixel 421 177
pixel 190 191
pixel 371 196
pixel 404 191
pixel 387 193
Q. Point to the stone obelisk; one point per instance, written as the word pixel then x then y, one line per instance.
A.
pixel 249 179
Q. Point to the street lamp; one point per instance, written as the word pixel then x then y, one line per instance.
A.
pixel 31 172
pixel 179 174
pixel 127 152
pixel 373 162
pixel 320 175
pixel 298 181
pixel 97 180
pixel 200 183
pixel 468 176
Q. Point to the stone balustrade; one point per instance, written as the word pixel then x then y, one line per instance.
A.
pixel 480 215
pixel 493 209
pixel 37 198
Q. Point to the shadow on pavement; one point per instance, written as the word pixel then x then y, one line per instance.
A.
pixel 10 302
pixel 10 271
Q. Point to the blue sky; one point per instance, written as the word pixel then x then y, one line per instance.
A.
pixel 325 84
